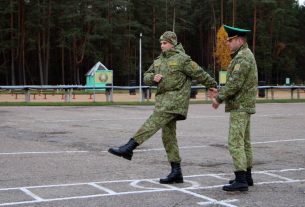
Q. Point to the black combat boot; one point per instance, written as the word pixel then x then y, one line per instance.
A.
pixel 239 184
pixel 175 175
pixel 248 178
pixel 125 151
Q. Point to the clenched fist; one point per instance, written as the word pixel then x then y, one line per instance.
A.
pixel 158 78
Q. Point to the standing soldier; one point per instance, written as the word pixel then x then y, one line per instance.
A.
pixel 239 94
pixel 172 72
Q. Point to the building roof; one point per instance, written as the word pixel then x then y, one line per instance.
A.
pixel 97 66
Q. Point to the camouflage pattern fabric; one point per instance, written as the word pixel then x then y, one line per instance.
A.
pixel 240 91
pixel 167 122
pixel 178 71
pixel 239 140
pixel 170 37
pixel 172 96
pixel 239 94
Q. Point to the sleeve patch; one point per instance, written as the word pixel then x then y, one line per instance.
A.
pixel 194 65
pixel 173 63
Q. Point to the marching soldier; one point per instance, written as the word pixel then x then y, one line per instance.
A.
pixel 172 72
pixel 239 95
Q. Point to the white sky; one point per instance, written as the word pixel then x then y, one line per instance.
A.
pixel 301 2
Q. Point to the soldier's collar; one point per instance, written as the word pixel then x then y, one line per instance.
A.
pixel 233 54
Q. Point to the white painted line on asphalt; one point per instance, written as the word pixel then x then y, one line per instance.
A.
pixel 29 193
pixel 259 183
pixel 46 186
pixel 67 152
pixel 224 202
pixel 20 203
pixel 144 118
pixel 195 186
pixel 50 152
pixel 283 170
pixel 141 150
pixel 280 115
pixel 219 177
pixel 74 184
pixel 205 187
pixel 280 182
pixel 135 184
pixel 88 120
pixel 278 176
pixel 102 188
pixel 84 197
pixel 206 175
pixel 255 116
pixel 212 203
pixel 215 202
pixel 278 141
pixel 162 149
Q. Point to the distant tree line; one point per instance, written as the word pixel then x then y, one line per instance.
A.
pixel 58 41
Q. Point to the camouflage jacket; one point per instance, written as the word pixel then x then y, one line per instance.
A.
pixel 178 71
pixel 240 91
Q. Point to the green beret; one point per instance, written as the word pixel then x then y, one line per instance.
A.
pixel 170 37
pixel 234 31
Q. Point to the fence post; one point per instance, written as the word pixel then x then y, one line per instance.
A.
pixel 272 94
pixel 143 94
pixel 267 92
pixel 298 93
pixel 27 95
pixel 67 95
pixel 108 93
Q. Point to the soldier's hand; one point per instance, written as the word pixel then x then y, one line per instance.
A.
pixel 215 103
pixel 212 93
pixel 158 78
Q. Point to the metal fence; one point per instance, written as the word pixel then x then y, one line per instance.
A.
pixel 67 90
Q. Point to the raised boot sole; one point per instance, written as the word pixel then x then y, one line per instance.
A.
pixel 114 152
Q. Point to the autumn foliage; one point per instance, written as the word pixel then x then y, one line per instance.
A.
pixel 222 52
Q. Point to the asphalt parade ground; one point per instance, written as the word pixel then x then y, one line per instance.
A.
pixel 57 157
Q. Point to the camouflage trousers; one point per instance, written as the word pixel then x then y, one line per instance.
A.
pixel 167 122
pixel 239 140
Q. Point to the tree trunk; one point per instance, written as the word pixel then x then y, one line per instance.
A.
pixel 254 29
pixel 233 12
pixel 40 47
pixel 213 34
pixel 47 49
pixel 201 40
pixel 39 59
pixel 13 81
pixel 154 31
pixel 129 51
pixel 174 17
pixel 221 12
pixel 110 40
pixel 21 53
pixel 43 41
pixel 166 14
pixel 63 65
